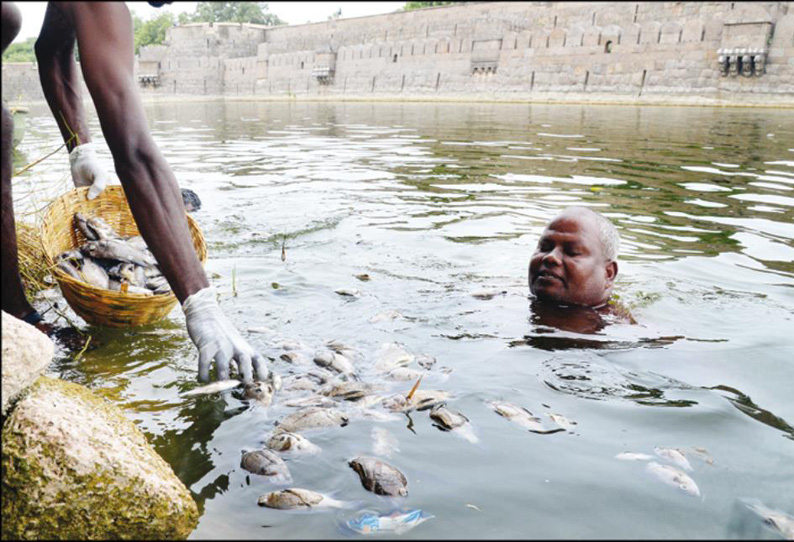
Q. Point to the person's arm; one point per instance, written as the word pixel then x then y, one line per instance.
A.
pixel 103 31
pixel 61 85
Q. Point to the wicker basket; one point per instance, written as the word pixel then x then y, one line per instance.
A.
pixel 97 305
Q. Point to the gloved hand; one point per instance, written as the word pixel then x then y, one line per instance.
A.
pixel 216 337
pixel 86 169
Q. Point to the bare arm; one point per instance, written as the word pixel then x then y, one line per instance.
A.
pixel 103 31
pixel 59 79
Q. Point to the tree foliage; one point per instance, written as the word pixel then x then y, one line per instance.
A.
pixel 409 6
pixel 151 31
pixel 233 12
pixel 20 51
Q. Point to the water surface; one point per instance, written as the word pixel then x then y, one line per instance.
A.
pixel 436 202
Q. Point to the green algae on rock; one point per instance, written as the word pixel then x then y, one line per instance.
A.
pixel 73 467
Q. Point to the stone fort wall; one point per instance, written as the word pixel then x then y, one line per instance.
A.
pixel 628 52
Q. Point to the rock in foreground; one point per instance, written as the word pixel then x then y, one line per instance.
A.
pixel 26 354
pixel 75 468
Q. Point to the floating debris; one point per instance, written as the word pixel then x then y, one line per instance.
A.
pixel 262 329
pixel 487 294
pixel 348 292
pixel 473 507
pixel 397 523
pixel 363 277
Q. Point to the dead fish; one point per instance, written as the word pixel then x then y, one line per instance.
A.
pixel 291 442
pixel 451 420
pixel 215 387
pixel 261 392
pixel 72 256
pixel 562 421
pixel 311 401
pixel 380 477
pixel 387 316
pixel 383 443
pixel 633 456
pixel 69 268
pixel 674 477
pixel 102 229
pixel 348 292
pixel 336 362
pixel 390 356
pixel 487 294
pixel 81 223
pixel 522 417
pixel 341 348
pixel 116 249
pixel 154 283
pixel 311 418
pixel 94 274
pixel 421 400
pixel 363 277
pixel 266 463
pixel 290 344
pixel 296 358
pixel 295 498
pixel 350 391
pixel 673 455
pixel 403 373
pixel 261 329
pixel 425 361
pixel 779 521
pixel 132 289
pixel 300 383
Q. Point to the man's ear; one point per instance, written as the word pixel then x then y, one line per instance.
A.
pixel 611 272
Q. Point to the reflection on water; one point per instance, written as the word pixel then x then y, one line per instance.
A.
pixel 436 204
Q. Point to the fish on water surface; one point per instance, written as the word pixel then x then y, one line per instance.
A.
pixel 311 418
pixel 390 356
pixel 673 455
pixel 778 521
pixel 215 387
pixel 674 477
pixel 296 498
pixel 328 359
pixel 261 392
pixel 522 417
pixel 451 420
pixel 380 477
pixel 266 462
pixel 291 442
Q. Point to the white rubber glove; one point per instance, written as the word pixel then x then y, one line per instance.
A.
pixel 87 170
pixel 216 337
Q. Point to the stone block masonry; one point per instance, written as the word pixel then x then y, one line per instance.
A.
pixel 720 53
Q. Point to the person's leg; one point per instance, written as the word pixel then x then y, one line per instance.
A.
pixel 14 301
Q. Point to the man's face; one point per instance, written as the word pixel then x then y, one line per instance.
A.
pixel 568 267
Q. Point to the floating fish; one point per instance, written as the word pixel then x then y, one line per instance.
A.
pixel 632 456
pixel 310 418
pixel 451 420
pixel 390 356
pixel 266 462
pixel 674 477
pixel 386 316
pixel 487 294
pixel 215 387
pixel 779 521
pixel 522 417
pixel 348 292
pixel 562 421
pixel 329 359
pixel 296 498
pixel 380 477
pixel 674 455
pixel 292 442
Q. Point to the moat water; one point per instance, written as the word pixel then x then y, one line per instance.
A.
pixel 436 202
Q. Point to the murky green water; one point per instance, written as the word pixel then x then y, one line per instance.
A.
pixel 435 202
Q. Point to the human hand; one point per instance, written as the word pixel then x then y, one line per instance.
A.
pixel 216 337
pixel 86 169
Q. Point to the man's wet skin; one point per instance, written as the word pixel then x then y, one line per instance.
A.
pixel 569 266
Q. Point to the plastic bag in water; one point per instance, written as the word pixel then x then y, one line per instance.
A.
pixel 398 522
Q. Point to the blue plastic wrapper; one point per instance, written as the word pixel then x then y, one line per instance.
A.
pixel 398 522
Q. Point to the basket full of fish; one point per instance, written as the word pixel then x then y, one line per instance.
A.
pixel 104 268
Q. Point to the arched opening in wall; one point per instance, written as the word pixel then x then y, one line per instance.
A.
pixel 608 46
pixel 394 59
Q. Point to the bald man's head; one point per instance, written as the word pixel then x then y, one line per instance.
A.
pixel 575 262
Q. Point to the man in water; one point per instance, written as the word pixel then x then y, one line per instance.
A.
pixel 103 33
pixel 573 270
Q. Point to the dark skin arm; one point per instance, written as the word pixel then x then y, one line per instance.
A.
pixel 103 33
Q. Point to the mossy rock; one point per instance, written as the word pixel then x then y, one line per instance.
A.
pixel 74 467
